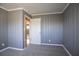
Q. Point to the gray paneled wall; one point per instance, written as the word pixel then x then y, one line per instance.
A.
pixel 71 29
pixel 52 29
pixel 3 29
pixel 15 29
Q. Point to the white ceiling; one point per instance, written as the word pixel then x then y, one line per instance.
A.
pixel 37 8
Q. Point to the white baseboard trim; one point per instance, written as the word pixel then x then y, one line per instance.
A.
pixel 15 48
pixel 3 49
pixel 39 44
pixel 66 50
pixel 36 43
pixel 58 45
pixel 51 44
pixel 10 48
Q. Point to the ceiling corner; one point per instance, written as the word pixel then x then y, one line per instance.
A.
pixel 3 8
pixel 65 7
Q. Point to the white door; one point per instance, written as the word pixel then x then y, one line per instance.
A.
pixel 35 31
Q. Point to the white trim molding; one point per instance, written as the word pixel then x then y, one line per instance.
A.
pixel 39 44
pixel 15 9
pixel 3 49
pixel 58 45
pixel 15 48
pixel 65 7
pixel 11 9
pixel 51 44
pixel 47 13
pixel 3 8
pixel 10 48
pixel 35 14
pixel 66 50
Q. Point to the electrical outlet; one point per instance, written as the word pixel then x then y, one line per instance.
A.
pixel 49 40
pixel 3 44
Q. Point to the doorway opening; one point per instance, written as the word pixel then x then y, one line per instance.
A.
pixel 35 31
pixel 26 31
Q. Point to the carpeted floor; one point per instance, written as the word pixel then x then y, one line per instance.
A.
pixel 36 50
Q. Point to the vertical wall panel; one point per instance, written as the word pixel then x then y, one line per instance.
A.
pixel 52 29
pixel 15 29
pixel 71 28
pixel 3 28
pixel 77 39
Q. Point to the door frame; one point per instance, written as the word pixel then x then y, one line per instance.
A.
pixel 25 16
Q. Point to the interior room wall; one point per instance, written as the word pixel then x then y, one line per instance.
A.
pixel 3 28
pixel 71 28
pixel 11 28
pixel 15 29
pixel 51 28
